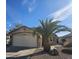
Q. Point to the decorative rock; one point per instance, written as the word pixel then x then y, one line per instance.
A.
pixel 53 52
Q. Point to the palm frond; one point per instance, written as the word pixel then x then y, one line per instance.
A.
pixel 48 27
pixel 62 28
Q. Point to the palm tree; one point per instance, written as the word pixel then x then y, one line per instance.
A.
pixel 47 29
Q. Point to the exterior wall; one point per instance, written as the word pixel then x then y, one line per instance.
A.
pixel 24 39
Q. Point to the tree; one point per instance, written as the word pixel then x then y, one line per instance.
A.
pixel 47 29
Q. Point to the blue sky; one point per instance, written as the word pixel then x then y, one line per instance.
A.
pixel 28 12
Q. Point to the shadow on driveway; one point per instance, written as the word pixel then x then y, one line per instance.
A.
pixel 16 48
pixel 67 51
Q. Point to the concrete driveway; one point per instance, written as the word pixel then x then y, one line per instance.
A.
pixel 27 52
pixel 24 52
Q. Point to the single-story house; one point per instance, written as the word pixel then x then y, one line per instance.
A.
pixel 23 36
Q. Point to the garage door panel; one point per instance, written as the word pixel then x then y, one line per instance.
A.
pixel 24 40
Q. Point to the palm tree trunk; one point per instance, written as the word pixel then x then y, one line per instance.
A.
pixel 46 44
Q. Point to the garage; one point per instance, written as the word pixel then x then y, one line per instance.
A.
pixel 24 39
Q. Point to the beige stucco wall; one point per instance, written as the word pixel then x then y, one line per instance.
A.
pixel 24 39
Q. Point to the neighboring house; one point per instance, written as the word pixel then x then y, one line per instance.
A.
pixel 23 36
pixel 67 40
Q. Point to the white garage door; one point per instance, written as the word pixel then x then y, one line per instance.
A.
pixel 26 40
